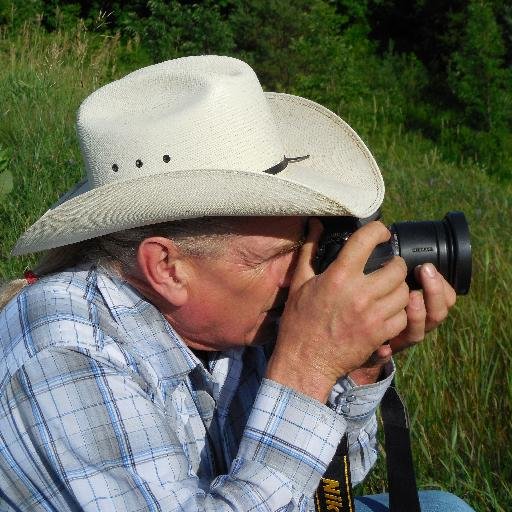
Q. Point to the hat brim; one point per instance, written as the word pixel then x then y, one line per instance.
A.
pixel 339 178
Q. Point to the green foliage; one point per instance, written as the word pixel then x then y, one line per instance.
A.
pixel 333 59
pixel 6 183
pixel 481 84
pixel 466 49
pixel 265 32
pixel 6 180
pixel 175 30
pixel 17 13
pixel 477 74
pixel 4 158
pixel 353 11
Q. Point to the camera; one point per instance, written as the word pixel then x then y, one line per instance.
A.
pixel 445 243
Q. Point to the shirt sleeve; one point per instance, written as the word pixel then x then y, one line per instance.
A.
pixel 83 435
pixel 358 405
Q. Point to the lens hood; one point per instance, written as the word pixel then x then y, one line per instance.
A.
pixel 461 270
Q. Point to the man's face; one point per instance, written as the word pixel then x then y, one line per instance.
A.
pixel 235 299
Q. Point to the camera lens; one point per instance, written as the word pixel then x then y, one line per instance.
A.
pixel 445 243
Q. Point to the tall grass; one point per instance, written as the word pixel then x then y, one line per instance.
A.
pixel 458 383
pixel 43 79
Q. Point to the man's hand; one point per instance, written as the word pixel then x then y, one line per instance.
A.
pixel 425 311
pixel 334 321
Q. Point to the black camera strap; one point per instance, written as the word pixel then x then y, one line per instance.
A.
pixel 403 492
pixel 334 493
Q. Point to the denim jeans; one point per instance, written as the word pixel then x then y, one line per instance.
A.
pixel 430 501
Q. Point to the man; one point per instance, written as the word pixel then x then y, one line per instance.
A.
pixel 152 366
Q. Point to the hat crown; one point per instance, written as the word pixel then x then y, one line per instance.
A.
pixel 194 113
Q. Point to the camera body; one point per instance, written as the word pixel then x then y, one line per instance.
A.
pixel 445 243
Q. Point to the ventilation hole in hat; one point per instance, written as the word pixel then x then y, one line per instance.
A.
pixel 138 163
pixel 167 159
pixel 115 168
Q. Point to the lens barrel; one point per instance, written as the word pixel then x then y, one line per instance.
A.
pixel 446 244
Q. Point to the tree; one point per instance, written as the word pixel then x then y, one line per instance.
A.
pixel 477 75
pixel 175 30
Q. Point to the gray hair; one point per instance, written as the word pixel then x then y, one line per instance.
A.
pixel 117 252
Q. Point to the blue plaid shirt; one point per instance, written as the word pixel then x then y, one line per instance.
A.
pixel 104 408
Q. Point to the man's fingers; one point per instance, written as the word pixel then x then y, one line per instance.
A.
pixel 389 277
pixel 434 295
pixel 395 325
pixel 415 330
pixel 394 302
pixel 304 270
pixel 359 246
pixel 450 294
pixel 416 314
pixel 382 355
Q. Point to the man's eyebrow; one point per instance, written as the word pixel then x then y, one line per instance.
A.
pixel 255 258
pixel 290 246
pixel 281 247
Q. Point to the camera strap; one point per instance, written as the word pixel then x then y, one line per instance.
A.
pixel 334 493
pixel 403 492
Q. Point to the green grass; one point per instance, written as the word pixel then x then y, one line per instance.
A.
pixel 458 383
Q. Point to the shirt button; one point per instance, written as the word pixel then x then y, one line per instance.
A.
pixel 351 398
pixel 345 408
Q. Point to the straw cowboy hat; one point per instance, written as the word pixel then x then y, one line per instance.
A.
pixel 197 136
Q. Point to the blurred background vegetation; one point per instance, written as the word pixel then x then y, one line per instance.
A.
pixel 426 83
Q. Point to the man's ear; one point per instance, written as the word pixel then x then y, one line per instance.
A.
pixel 164 269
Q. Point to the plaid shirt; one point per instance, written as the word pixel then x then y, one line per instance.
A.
pixel 103 407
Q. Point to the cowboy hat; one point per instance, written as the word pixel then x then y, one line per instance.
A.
pixel 197 136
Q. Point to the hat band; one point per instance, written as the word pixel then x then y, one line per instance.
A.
pixel 276 169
